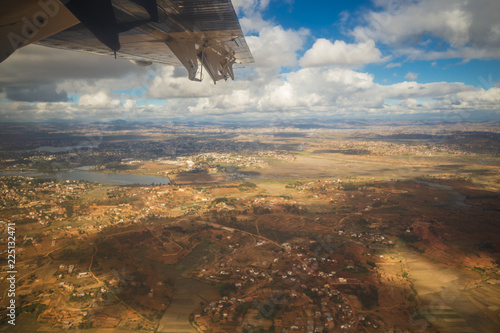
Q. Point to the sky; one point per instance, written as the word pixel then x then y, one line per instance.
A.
pixel 321 59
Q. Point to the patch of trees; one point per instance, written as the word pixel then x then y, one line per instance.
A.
pixel 118 166
pixel 409 238
pixel 487 247
pixel 371 263
pixel 261 210
pixel 68 207
pixel 242 308
pixel 350 187
pixel 294 209
pixel 45 167
pixel 226 288
pixel 359 267
pixel 248 185
pixel 78 253
pixel 25 220
pixel 419 250
pixel 368 297
pixel 219 200
pixel 115 200
pixel 35 308
pixel 85 325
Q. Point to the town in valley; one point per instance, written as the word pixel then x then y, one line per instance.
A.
pixel 338 226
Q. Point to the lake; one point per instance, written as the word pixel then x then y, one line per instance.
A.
pixel 84 174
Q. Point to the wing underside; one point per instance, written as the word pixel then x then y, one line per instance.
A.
pixel 192 33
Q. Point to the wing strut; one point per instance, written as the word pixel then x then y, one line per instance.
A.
pixel 217 61
pixel 186 53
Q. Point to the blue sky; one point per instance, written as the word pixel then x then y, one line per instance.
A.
pixel 326 22
pixel 323 20
pixel 313 59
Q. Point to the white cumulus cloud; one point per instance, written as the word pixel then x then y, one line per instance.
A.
pixel 324 52
pixel 469 28
pixel 411 76
pixel 277 47
pixel 99 100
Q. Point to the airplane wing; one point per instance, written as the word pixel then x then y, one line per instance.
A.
pixel 198 34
